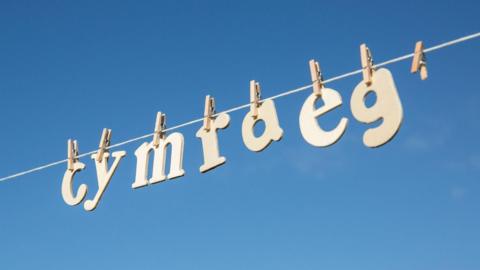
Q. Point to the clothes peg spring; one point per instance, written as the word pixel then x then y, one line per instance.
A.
pixel 209 112
pixel 367 64
pixel 254 97
pixel 104 143
pixel 419 62
pixel 160 125
pixel 72 153
pixel 317 78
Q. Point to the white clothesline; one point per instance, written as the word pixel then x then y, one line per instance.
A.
pixel 286 93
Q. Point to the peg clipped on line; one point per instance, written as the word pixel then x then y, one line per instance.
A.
pixel 72 154
pixel 367 64
pixel 209 112
pixel 160 125
pixel 317 77
pixel 104 143
pixel 254 97
pixel 419 62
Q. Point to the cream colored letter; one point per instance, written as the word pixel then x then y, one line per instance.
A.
pixel 160 152
pixel 103 176
pixel 387 107
pixel 211 153
pixel 67 186
pixel 311 130
pixel 272 132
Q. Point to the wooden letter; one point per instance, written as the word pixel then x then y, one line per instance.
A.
pixel 211 153
pixel 158 173
pixel 103 176
pixel 387 107
pixel 67 186
pixel 272 132
pixel 311 130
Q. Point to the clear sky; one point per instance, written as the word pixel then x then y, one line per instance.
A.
pixel 70 68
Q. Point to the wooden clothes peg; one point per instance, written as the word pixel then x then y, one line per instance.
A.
pixel 160 125
pixel 367 64
pixel 317 78
pixel 72 154
pixel 419 62
pixel 104 143
pixel 254 97
pixel 209 112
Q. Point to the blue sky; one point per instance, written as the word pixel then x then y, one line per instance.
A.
pixel 70 68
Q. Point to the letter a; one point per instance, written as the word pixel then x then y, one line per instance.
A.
pixel 273 132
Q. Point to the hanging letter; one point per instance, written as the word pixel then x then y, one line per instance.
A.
pixel 311 130
pixel 103 176
pixel 67 186
pixel 272 132
pixel 211 153
pixel 387 107
pixel 160 152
